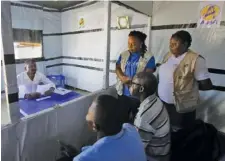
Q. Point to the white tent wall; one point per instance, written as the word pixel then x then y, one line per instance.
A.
pixel 83 51
pixel 208 42
pixel 52 43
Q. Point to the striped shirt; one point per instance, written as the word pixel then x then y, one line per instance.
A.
pixel 153 124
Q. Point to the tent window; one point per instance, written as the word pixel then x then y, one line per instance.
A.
pixel 27 43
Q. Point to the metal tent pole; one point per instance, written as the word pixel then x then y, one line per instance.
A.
pixel 149 32
pixel 107 25
pixel 9 66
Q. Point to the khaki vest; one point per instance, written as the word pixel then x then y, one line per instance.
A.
pixel 186 92
pixel 141 66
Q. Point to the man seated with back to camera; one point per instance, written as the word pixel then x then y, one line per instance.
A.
pixel 29 80
pixel 152 119
pixel 115 141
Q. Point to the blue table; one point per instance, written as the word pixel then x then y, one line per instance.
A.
pixel 28 107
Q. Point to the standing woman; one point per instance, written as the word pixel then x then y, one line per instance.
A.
pixel 181 76
pixel 132 61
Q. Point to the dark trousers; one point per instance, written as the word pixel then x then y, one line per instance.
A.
pixel 129 107
pixel 180 120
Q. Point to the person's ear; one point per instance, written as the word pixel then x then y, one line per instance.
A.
pixel 95 127
pixel 141 89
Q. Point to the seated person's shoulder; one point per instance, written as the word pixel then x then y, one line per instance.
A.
pixel 91 153
pixel 131 131
pixel 40 74
pixel 21 74
pixel 158 99
pixel 20 78
pixel 129 127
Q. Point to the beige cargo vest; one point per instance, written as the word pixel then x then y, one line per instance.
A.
pixel 186 92
pixel 141 66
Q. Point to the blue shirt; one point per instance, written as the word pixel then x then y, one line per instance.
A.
pixel 131 68
pixel 124 146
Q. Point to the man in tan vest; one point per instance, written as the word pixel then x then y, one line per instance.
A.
pixel 181 76
pixel 136 59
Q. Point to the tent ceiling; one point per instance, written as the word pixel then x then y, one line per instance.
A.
pixel 55 4
pixel 141 6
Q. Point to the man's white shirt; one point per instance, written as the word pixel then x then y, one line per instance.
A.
pixel 166 70
pixel 26 85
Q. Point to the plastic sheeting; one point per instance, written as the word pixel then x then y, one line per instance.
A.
pixel 36 138
pixel 76 52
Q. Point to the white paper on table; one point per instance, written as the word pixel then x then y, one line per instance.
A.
pixel 43 88
pixel 62 91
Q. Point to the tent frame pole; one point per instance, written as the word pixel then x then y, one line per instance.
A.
pixel 149 32
pixel 9 63
pixel 107 34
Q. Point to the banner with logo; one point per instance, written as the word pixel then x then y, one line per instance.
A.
pixel 210 14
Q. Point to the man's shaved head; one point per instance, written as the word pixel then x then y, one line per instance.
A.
pixel 148 80
pixel 29 61
pixel 30 66
pixel 105 115
pixel 144 82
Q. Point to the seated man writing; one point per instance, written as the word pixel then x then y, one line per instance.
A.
pixel 115 141
pixel 152 120
pixel 29 80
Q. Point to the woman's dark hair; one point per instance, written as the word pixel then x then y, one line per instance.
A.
pixel 141 36
pixel 108 115
pixel 183 36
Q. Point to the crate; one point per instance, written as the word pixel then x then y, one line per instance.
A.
pixel 58 80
